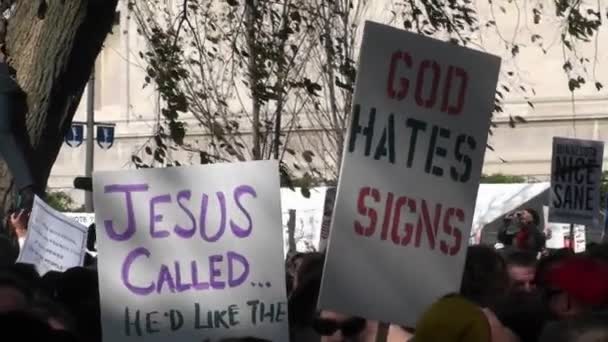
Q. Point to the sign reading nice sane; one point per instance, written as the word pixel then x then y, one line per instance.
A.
pixel 191 253
pixel 410 175
pixel 576 176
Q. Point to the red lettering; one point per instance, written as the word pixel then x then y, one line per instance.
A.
pixel 409 228
pixel 452 231
pixel 420 82
pixel 404 82
pixel 365 211
pixel 447 90
pixel 428 95
pixel 425 224
pixel 387 216
pixel 408 218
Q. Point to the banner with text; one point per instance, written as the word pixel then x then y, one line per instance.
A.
pixel 191 253
pixel 54 242
pixel 409 176
pixel 576 175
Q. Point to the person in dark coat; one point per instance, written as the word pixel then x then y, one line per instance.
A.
pixel 520 231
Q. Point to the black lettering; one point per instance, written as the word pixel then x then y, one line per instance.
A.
pixel 357 129
pixel 579 176
pixel 568 196
pixel 197 318
pixel 415 125
pixel 233 311
pixel 386 146
pixel 266 314
pixel 150 323
pixel 176 320
pixel 557 198
pixel 590 171
pixel 254 308
pixel 589 198
pixel 218 318
pixel 463 158
pixel 136 323
pixel 435 150
pixel 281 312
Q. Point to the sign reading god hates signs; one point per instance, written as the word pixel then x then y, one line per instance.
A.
pixel 191 253
pixel 409 176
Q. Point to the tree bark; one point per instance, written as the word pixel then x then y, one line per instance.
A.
pixel 52 45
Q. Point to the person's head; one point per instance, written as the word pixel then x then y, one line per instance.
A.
pixel 336 327
pixel 577 285
pixel 549 262
pixel 529 217
pixel 15 294
pixel 307 266
pixel 485 275
pixel 521 267
pixel 453 318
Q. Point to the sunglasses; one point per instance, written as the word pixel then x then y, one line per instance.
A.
pixel 349 328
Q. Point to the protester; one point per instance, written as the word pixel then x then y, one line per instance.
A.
pixel 485 276
pixel 576 286
pixel 521 267
pixel 549 262
pixel 453 318
pixel 521 231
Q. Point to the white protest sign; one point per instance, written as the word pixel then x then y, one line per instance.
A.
pixel 409 177
pixel 580 239
pixel 576 173
pixel 559 236
pixel 54 242
pixel 86 219
pixel 191 253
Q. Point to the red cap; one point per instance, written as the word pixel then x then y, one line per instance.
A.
pixel 583 278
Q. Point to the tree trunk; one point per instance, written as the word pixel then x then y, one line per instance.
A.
pixel 254 79
pixel 52 45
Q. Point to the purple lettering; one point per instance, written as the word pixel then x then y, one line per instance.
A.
pixel 154 219
pixel 182 232
pixel 233 257
pixel 215 272
pixel 179 286
pixel 238 192
pixel 127 189
pixel 203 224
pixel 195 283
pixel 126 266
pixel 164 276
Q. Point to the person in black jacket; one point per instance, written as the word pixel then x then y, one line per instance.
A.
pixel 520 231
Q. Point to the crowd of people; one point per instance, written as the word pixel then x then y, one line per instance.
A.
pixel 520 292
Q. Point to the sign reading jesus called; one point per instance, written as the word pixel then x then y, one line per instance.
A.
pixel 191 253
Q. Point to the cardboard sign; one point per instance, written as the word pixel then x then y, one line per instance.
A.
pixel 54 242
pixel 409 177
pixel 191 253
pixel 576 174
